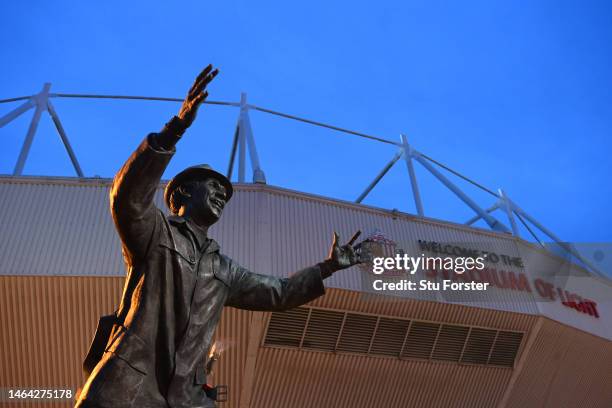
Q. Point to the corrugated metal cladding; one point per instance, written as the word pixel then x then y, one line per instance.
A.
pixel 46 323
pixel 288 377
pixel 57 228
pixel 566 368
pixel 63 227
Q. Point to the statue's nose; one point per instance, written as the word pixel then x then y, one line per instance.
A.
pixel 220 195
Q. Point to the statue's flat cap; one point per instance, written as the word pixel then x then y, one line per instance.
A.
pixel 199 172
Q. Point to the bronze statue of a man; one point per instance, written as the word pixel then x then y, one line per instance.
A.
pixel 177 281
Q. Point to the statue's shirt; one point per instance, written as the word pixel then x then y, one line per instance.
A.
pixel 200 291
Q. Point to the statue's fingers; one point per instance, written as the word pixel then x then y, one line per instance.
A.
pixel 197 89
pixel 206 79
pixel 202 83
pixel 363 256
pixel 199 82
pixel 212 75
pixel 200 98
pixel 336 241
pixel 203 74
pixel 348 250
pixel 357 234
pixel 350 253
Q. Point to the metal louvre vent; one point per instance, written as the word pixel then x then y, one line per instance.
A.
pixel 389 337
pixel 505 348
pixel 327 330
pixel 450 343
pixel 420 340
pixel 287 328
pixel 478 346
pixel 357 333
pixel 323 329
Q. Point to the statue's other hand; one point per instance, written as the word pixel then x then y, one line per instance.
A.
pixel 196 95
pixel 344 256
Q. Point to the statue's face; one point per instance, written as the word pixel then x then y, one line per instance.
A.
pixel 208 198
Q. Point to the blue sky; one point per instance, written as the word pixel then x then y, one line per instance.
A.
pixel 515 95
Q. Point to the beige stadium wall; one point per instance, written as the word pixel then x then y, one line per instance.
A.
pixel 47 322
pixel 46 326
pixel 62 227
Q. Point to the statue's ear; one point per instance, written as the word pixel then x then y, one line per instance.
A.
pixel 182 190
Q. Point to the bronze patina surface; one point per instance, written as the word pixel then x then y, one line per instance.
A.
pixel 151 351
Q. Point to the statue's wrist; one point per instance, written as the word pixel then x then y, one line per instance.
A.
pixel 170 134
pixel 175 126
pixel 328 267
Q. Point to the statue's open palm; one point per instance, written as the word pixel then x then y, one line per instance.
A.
pixel 196 95
pixel 344 256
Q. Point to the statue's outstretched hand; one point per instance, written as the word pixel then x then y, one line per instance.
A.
pixel 344 256
pixel 197 94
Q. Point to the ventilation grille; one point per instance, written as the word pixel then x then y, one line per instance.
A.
pixel 356 334
pixel 332 331
pixel 323 329
pixel 287 329
pixel 505 349
pixel 449 344
pixel 420 340
pixel 478 346
pixel 389 337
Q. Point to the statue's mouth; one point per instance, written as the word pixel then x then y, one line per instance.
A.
pixel 217 203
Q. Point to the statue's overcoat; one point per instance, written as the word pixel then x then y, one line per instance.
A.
pixel 175 290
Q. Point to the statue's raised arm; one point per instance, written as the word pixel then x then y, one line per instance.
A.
pixel 134 186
